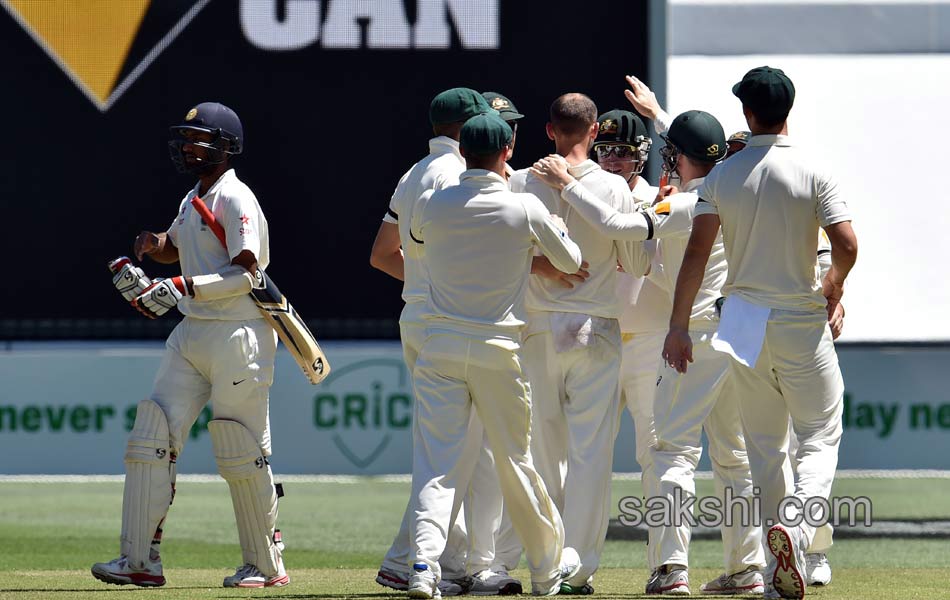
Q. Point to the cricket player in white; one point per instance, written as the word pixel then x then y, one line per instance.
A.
pixel 479 239
pixel 396 253
pixel 572 347
pixel 222 352
pixel 684 405
pixel 770 202
pixel 622 147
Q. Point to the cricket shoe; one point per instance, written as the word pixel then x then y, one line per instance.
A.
pixel 422 583
pixel 669 580
pixel 570 565
pixel 789 559
pixel 393 579
pixel 817 569
pixel 118 572
pixel 749 581
pixel 568 589
pixel 494 583
pixel 456 587
pixel 249 576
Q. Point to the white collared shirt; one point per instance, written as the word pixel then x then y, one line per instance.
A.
pixel 439 170
pixel 597 296
pixel 771 199
pixel 200 253
pixel 674 219
pixel 478 240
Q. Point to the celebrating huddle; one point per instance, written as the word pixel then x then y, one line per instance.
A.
pixel 540 301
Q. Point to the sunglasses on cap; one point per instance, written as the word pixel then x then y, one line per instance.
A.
pixel 620 151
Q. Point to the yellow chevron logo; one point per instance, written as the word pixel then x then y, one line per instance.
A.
pixel 96 42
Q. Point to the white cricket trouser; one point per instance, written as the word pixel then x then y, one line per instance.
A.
pixel 398 557
pixel 229 363
pixel 686 403
pixel 453 373
pixel 824 535
pixel 638 371
pixel 576 400
pixel 796 374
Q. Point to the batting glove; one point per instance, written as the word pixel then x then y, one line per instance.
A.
pixel 160 297
pixel 127 278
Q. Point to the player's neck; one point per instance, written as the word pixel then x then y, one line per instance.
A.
pixel 574 153
pixel 206 181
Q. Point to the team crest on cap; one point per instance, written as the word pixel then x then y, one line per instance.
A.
pixel 712 150
pixel 191 114
pixel 609 126
pixel 500 104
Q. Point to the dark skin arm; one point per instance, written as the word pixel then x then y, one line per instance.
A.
pixel 156 246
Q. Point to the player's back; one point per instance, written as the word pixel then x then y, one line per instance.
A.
pixel 598 295
pixel 478 248
pixel 771 201
pixel 674 218
pixel 440 169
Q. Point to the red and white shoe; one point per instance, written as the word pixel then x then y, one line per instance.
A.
pixel 119 572
pixel 249 576
pixel 785 544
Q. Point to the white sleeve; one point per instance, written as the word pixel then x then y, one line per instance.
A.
pixel 831 209
pixel 239 215
pixel 673 217
pixel 662 122
pixel 707 202
pixel 561 250
pixel 392 213
pixel 605 219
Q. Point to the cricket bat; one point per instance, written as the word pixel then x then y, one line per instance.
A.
pixel 275 307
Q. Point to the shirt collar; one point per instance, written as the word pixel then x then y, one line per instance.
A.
pixel 483 179
pixel 216 185
pixel 772 139
pixel 579 170
pixel 444 145
pixel 693 184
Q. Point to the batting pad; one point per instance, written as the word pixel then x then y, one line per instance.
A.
pixel 149 475
pixel 241 463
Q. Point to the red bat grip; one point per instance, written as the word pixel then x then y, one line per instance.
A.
pixel 208 218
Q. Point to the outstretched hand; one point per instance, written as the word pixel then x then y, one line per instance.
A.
pixel 642 98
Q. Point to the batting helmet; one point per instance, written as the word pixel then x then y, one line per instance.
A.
pixel 213 118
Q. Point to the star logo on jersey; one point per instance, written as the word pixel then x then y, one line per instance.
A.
pixel 245 219
pixel 103 46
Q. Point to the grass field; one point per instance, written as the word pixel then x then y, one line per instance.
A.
pixel 336 533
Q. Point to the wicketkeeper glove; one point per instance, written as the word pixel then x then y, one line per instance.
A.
pixel 130 280
pixel 160 297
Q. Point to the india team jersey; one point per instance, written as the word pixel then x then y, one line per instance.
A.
pixel 771 201
pixel 439 170
pixel 598 295
pixel 200 253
